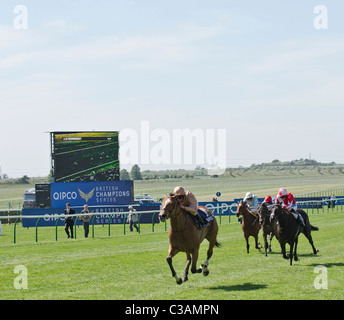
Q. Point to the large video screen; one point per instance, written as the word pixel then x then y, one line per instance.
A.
pixel 85 156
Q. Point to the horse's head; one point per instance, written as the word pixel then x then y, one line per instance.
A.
pixel 240 208
pixel 276 212
pixel 264 213
pixel 168 207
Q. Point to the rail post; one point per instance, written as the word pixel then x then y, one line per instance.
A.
pixel 220 214
pixel 38 220
pixel 140 222
pixel 75 223
pixel 124 221
pixel 14 230
pixel 57 222
pixel 153 221
pixel 109 224
pixel 93 225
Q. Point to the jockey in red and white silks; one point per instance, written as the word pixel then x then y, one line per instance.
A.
pixel 287 200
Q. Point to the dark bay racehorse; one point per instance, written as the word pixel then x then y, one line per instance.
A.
pixel 250 224
pixel 268 227
pixel 288 230
pixel 184 236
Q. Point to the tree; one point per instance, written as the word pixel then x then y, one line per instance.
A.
pixel 124 175
pixel 135 173
pixel 24 180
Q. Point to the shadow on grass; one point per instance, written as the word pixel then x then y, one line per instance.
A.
pixel 328 265
pixel 240 287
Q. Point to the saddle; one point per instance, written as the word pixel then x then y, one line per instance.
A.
pixel 205 217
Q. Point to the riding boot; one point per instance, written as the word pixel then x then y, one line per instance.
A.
pixel 298 218
pixel 200 220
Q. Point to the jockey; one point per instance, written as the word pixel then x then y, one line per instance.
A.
pixel 251 201
pixel 268 201
pixel 287 200
pixel 188 202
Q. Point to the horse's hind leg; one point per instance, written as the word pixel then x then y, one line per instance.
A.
pixel 194 262
pixel 171 253
pixel 308 235
pixel 186 271
pixel 205 265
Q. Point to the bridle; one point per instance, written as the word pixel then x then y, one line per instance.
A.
pixel 276 212
pixel 174 210
pixel 244 207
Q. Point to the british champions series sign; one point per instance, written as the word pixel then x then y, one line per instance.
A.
pixel 100 193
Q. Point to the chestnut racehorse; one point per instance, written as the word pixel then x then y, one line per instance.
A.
pixel 184 236
pixel 250 224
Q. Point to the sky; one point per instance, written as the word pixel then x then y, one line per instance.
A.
pixel 252 80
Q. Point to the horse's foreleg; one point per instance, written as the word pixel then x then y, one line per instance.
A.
pixel 247 244
pixel 266 246
pixel 186 271
pixel 295 250
pixel 257 243
pixel 291 253
pixel 283 250
pixel 171 253
pixel 270 238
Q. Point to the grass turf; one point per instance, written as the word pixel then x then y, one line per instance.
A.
pixel 133 266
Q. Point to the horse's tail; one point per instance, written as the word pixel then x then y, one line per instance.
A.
pixel 314 228
pixel 217 244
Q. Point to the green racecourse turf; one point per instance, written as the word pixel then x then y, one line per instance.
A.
pixel 133 266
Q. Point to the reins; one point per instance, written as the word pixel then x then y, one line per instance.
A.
pixel 172 216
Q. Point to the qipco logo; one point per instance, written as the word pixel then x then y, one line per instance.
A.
pixel 65 195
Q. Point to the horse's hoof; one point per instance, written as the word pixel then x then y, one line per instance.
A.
pixel 206 273
pixel 316 251
pixel 185 279
pixel 179 281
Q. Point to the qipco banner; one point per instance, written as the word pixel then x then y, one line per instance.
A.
pixel 99 193
pixel 50 217
pixel 224 208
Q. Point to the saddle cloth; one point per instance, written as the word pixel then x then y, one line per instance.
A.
pixel 204 215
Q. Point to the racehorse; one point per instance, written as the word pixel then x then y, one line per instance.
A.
pixel 288 230
pixel 268 227
pixel 184 236
pixel 249 225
